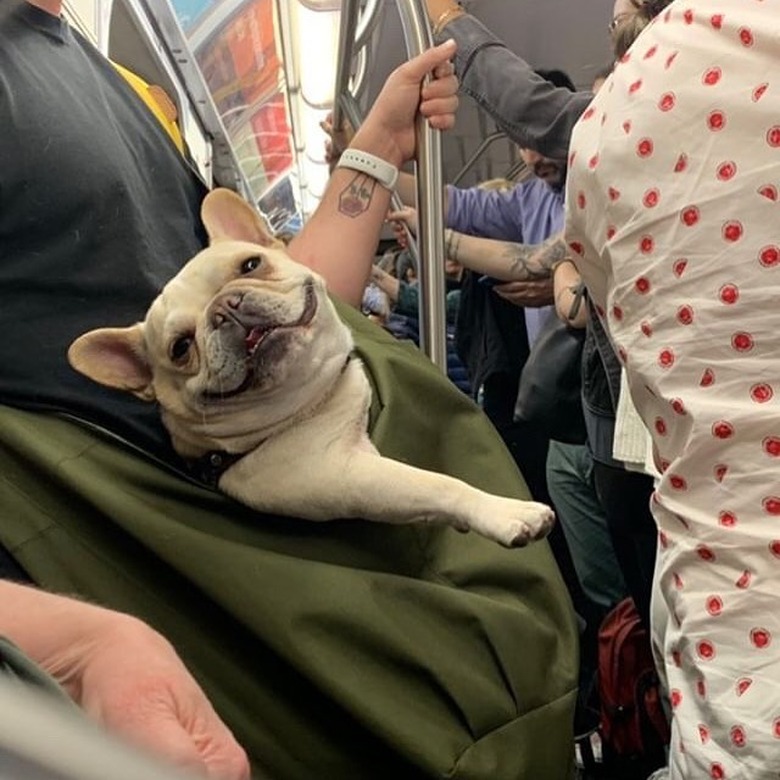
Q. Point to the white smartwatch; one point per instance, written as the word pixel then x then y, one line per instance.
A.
pixel 385 173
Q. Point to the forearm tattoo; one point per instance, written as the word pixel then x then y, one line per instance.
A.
pixel 535 261
pixel 355 198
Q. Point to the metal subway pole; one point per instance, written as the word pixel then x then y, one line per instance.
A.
pixel 430 209
pixel 429 248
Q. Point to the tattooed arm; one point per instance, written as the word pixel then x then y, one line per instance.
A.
pixel 506 260
pixel 339 240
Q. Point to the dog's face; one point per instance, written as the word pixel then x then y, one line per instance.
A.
pixel 240 340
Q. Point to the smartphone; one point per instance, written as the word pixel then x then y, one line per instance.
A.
pixel 489 281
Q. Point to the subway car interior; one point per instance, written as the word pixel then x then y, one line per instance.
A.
pixel 343 650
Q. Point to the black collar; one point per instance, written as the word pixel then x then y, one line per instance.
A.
pixel 210 467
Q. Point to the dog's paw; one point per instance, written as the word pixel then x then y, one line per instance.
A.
pixel 514 523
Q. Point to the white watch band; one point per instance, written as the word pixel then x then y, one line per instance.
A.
pixel 385 173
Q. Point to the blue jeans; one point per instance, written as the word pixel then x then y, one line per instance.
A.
pixel 570 483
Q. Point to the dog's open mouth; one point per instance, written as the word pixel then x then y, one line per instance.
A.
pixel 257 335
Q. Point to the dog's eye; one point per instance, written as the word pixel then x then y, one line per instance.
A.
pixel 180 348
pixel 251 264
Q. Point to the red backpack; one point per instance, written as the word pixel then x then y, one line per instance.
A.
pixel 633 725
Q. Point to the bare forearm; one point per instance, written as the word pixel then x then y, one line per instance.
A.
pixel 339 240
pixel 569 305
pixel 505 259
pixel 55 631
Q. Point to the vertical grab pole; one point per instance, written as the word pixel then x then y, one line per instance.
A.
pixel 430 209
pixel 417 33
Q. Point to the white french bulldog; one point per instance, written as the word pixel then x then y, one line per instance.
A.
pixel 245 354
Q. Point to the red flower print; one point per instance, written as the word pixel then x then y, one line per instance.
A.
pixel 726 170
pixel 746 36
pixel 742 342
pixel 742 685
pixel 667 101
pixel 685 315
pixel 738 737
pixel 716 120
pixel 717 772
pixel 714 605
pixel 732 230
pixel 771 445
pixel 690 215
pixel 711 76
pixel 729 294
pixel 771 505
pixel 759 91
pixel 645 147
pixel 769 256
pixel 705 650
pixel 760 637
pixel 705 553
pixel 727 519
pixel 707 378
pixel 722 430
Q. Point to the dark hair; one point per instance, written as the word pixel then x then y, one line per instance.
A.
pixel 557 77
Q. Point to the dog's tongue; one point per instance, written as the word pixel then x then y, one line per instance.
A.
pixel 254 337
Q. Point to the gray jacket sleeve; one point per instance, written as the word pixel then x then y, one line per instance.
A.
pixel 532 112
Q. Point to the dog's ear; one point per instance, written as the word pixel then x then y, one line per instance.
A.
pixel 115 357
pixel 227 215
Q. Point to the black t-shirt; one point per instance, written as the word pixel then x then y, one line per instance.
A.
pixel 97 211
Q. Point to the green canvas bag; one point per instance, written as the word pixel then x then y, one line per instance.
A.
pixel 336 650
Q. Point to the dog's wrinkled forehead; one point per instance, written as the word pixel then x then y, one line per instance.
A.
pixel 222 266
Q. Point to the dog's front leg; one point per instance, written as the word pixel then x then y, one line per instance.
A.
pixel 387 490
